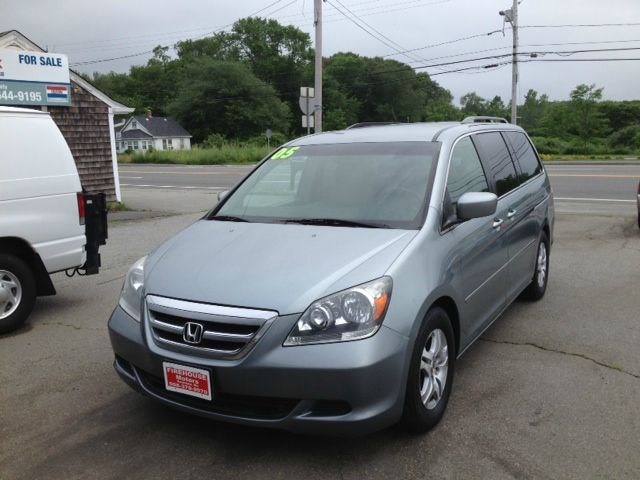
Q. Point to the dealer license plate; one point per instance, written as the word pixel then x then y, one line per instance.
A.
pixel 195 382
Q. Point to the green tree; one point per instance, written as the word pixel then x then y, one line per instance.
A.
pixel 497 108
pixel 585 120
pixel 277 54
pixel 621 114
pixel 226 98
pixel 533 111
pixel 473 104
pixel 376 89
pixel 438 101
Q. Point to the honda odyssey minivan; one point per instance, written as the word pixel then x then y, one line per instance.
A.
pixel 332 290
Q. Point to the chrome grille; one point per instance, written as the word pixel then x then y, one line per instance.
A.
pixel 227 332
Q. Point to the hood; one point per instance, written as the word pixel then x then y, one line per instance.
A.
pixel 269 266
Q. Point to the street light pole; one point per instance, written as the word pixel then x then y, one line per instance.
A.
pixel 511 16
pixel 514 65
pixel 318 66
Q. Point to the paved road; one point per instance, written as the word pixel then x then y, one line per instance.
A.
pixel 577 188
pixel 550 391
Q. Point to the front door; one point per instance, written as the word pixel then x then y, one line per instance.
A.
pixel 481 245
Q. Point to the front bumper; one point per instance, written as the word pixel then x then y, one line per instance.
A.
pixel 349 388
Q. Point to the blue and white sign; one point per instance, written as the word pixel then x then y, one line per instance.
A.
pixel 34 78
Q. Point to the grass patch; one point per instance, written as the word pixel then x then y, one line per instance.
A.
pixel 224 155
pixel 118 207
pixel 568 158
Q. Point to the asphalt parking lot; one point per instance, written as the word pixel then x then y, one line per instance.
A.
pixel 551 390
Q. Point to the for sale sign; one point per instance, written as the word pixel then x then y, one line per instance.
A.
pixel 34 78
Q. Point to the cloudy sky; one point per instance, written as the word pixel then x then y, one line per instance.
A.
pixel 98 30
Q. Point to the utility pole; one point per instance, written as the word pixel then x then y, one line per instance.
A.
pixel 318 66
pixel 511 16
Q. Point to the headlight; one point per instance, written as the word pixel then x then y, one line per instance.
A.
pixel 352 314
pixel 130 299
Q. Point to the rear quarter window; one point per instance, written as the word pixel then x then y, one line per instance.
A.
pixel 525 154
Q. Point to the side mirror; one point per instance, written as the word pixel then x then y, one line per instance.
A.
pixel 222 195
pixel 477 205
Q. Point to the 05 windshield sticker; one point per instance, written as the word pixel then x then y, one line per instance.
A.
pixel 285 153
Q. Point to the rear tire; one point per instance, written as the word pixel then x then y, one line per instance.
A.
pixel 17 292
pixel 430 374
pixel 538 286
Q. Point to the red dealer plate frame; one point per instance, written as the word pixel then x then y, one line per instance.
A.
pixel 192 381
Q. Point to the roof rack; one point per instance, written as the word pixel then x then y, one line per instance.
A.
pixel 369 124
pixel 482 119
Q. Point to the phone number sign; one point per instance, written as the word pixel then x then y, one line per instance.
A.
pixel 34 78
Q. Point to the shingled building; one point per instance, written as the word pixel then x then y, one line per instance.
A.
pixel 143 133
pixel 87 125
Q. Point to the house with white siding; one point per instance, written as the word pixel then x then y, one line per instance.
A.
pixel 141 133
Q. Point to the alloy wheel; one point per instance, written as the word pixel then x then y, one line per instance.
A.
pixel 434 365
pixel 542 265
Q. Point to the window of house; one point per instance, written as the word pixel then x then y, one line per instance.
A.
pixel 170 144
pixel 135 145
pixel 495 155
pixel 144 144
pixel 134 124
pixel 164 143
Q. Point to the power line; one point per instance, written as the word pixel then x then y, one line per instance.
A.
pixel 580 25
pixel 91 62
pixel 448 42
pixel 561 52
pixel 121 42
pixel 376 10
pixel 531 45
pixel 471 37
pixel 380 37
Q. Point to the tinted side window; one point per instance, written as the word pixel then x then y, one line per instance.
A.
pixel 465 171
pixel 529 164
pixel 496 157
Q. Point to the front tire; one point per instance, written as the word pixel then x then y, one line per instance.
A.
pixel 17 292
pixel 430 374
pixel 538 286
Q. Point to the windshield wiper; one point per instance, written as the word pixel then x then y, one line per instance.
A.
pixel 334 222
pixel 228 218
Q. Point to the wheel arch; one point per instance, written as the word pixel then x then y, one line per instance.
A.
pixel 21 249
pixel 547 231
pixel 448 304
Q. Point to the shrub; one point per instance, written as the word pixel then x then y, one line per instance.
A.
pixel 549 145
pixel 626 138
pixel 214 140
pixel 226 154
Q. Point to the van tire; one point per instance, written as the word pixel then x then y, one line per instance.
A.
pixel 418 416
pixel 536 289
pixel 14 267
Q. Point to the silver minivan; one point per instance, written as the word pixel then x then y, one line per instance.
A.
pixel 332 290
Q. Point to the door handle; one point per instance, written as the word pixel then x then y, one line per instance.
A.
pixel 497 222
pixel 511 213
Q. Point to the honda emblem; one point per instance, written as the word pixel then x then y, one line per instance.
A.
pixel 192 333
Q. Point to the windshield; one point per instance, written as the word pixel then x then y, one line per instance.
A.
pixel 359 184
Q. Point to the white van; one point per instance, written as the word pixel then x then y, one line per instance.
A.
pixel 42 212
